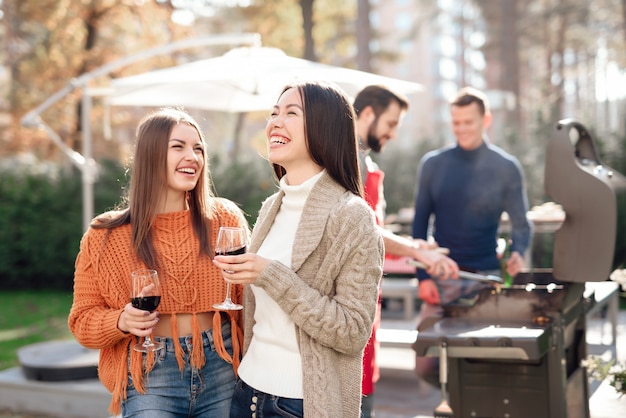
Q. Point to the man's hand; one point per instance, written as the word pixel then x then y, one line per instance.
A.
pixel 515 264
pixel 428 292
pixel 439 265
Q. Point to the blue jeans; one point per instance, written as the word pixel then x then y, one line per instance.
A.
pixel 192 392
pixel 249 402
pixel 367 406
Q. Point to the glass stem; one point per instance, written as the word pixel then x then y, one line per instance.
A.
pixel 228 292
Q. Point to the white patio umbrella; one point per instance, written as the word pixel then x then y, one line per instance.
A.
pixel 242 80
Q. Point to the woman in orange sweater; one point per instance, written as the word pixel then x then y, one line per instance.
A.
pixel 169 224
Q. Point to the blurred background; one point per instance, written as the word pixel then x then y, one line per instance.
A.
pixel 539 61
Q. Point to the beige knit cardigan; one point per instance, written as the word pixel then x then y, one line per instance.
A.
pixel 330 292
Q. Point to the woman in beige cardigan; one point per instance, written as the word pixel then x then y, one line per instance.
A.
pixel 313 267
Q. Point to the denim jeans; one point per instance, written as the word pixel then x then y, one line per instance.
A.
pixel 192 392
pixel 249 402
pixel 367 406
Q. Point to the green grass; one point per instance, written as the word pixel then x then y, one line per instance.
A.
pixel 28 317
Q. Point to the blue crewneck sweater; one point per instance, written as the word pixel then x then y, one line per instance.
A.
pixel 467 191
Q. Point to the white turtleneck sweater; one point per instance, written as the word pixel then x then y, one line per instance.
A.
pixel 272 363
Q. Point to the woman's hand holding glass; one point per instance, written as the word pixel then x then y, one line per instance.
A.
pixel 241 269
pixel 230 241
pixel 145 293
pixel 137 322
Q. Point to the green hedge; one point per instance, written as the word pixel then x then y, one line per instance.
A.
pixel 41 222
pixel 41 214
pixel 247 182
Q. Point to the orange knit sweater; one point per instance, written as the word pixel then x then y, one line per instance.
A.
pixel 190 284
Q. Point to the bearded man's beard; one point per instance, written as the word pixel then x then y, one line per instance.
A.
pixel 372 140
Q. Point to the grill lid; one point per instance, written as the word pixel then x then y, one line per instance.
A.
pixel 589 243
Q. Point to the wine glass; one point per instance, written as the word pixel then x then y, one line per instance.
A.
pixel 145 294
pixel 230 241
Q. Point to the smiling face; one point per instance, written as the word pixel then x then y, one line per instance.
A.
pixel 286 136
pixel 468 125
pixel 185 162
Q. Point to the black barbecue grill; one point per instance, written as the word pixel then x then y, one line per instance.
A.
pixel 516 351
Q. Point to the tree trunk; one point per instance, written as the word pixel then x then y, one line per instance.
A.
pixel 624 18
pixel 91 28
pixel 307 26
pixel 559 90
pixel 240 121
pixel 548 63
pixel 364 36
pixel 509 77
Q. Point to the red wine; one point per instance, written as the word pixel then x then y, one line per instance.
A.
pixel 238 251
pixel 147 303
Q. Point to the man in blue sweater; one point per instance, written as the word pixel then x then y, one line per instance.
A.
pixel 466 187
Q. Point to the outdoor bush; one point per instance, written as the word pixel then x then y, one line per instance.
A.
pixel 41 213
pixel 247 182
pixel 41 222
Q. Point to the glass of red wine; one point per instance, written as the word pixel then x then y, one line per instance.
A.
pixel 230 241
pixel 145 294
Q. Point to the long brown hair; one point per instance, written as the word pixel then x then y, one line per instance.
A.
pixel 148 180
pixel 330 131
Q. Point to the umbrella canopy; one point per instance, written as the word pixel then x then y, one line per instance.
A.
pixel 242 80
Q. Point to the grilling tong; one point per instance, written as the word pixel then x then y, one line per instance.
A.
pixel 497 281
pixel 462 274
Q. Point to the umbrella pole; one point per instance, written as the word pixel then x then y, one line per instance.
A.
pixel 239 124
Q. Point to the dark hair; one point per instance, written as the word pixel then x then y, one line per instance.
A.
pixel 379 98
pixel 330 132
pixel 148 181
pixel 468 95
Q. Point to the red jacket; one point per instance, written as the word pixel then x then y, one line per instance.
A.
pixel 375 199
